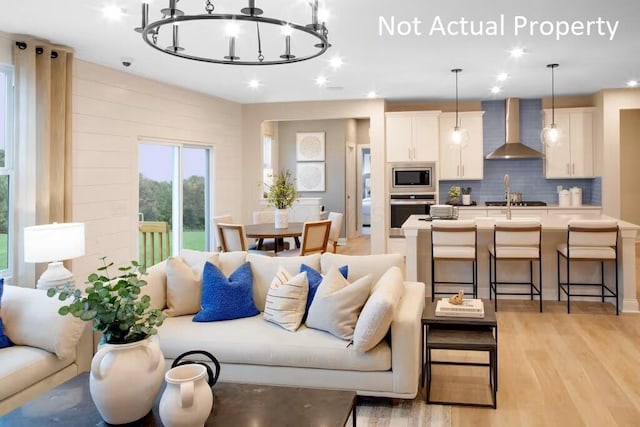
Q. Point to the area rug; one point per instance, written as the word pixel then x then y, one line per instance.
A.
pixel 375 412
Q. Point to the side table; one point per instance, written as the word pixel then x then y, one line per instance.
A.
pixel 463 334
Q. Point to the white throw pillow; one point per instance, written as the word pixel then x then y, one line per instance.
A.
pixel 377 314
pixel 337 304
pixel 286 300
pixel 31 318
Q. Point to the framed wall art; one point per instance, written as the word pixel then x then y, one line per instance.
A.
pixel 310 146
pixel 310 176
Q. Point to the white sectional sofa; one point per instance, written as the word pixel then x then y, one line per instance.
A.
pixel 252 350
pixel 49 348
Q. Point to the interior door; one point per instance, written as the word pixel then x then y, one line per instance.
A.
pixel 351 198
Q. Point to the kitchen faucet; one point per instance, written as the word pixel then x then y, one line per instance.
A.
pixel 507 193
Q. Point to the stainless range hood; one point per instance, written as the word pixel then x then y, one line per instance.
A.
pixel 512 148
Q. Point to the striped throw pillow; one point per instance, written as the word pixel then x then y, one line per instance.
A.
pixel 286 300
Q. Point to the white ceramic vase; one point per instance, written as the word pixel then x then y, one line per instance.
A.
pixel 187 400
pixel 125 379
pixel 282 218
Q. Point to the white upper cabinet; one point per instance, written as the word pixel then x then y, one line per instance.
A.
pixel 572 155
pixel 462 161
pixel 412 136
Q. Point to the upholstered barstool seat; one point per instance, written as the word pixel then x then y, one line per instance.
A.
pixel 515 240
pixel 589 240
pixel 454 241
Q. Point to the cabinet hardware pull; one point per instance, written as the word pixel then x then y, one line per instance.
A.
pixel 458 170
pixel 574 169
pixel 568 171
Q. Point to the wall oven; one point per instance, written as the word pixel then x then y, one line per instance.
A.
pixel 405 205
pixel 416 177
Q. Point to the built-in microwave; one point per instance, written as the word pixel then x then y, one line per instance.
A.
pixel 412 177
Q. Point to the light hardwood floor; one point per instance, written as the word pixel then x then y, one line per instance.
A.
pixel 555 369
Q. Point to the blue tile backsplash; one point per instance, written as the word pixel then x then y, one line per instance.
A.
pixel 527 175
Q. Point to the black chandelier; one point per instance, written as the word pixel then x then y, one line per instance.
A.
pixel 170 26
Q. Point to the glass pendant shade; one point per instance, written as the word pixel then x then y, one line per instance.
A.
pixel 550 135
pixel 459 135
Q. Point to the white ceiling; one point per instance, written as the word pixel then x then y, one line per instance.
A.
pixel 411 67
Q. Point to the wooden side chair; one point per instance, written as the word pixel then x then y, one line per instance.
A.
pixel 336 225
pixel 156 242
pixel 315 235
pixel 234 238
pixel 227 219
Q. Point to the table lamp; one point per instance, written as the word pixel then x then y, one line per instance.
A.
pixel 54 243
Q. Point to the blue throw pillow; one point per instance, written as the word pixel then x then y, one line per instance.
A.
pixel 226 298
pixel 315 278
pixel 4 340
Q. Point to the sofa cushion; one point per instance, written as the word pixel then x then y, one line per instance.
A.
pixel 315 278
pixel 361 265
pixel 4 340
pixel 32 319
pixel 264 268
pixel 226 298
pixel 22 366
pixel 286 300
pixel 377 314
pixel 338 303
pixel 228 262
pixel 253 341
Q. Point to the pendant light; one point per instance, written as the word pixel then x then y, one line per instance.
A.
pixel 550 134
pixel 458 136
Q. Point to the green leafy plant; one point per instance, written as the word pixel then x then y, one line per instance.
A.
pixel 113 304
pixel 454 192
pixel 282 193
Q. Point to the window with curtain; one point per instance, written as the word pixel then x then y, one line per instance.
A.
pixel 6 163
pixel 175 188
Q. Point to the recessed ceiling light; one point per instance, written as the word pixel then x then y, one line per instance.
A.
pixel 321 81
pixel 496 89
pixel 502 77
pixel 372 94
pixel 254 84
pixel 632 83
pixel 516 52
pixel 336 62
pixel 113 12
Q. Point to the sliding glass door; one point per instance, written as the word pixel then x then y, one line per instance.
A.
pixel 175 188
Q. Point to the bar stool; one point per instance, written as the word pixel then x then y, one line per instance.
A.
pixel 589 240
pixel 454 241
pixel 515 241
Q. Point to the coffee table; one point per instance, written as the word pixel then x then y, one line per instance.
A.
pixel 70 405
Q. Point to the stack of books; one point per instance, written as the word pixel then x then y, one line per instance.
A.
pixel 468 308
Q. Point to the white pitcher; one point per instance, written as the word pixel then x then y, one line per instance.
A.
pixel 187 400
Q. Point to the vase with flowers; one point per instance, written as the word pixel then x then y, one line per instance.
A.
pixel 128 368
pixel 282 195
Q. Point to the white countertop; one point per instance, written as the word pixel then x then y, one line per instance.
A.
pixel 549 222
pixel 482 206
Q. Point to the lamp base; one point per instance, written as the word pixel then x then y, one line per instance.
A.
pixel 55 276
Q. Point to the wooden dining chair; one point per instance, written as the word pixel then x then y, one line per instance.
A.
pixel 233 237
pixel 227 219
pixel 315 235
pixel 155 242
pixel 336 225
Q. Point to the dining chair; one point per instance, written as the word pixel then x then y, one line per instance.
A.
pixel 155 242
pixel 233 238
pixel 315 235
pixel 227 219
pixel 336 225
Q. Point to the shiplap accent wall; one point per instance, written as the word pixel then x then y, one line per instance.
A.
pixel 112 111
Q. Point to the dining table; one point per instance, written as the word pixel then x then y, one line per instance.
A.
pixel 268 230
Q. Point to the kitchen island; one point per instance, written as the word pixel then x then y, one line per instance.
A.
pixel 554 231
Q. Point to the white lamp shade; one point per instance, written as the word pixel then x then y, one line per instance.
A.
pixel 53 242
